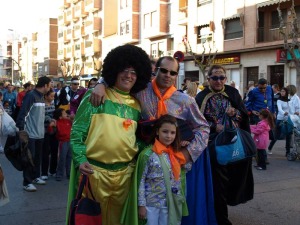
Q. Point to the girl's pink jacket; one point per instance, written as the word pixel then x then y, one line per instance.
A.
pixel 261 134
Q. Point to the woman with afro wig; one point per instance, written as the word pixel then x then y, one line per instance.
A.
pixel 103 138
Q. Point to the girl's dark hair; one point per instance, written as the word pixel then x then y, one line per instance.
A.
pixel 266 114
pixel 57 113
pixel 123 57
pixel 171 120
pixel 49 92
pixel 286 97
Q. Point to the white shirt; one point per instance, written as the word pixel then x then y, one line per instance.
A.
pixel 283 107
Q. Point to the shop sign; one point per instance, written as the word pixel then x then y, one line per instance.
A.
pixel 281 56
pixel 230 59
pixel 296 52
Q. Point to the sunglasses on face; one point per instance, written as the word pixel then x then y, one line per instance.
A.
pixel 216 78
pixel 262 88
pixel 163 70
pixel 75 83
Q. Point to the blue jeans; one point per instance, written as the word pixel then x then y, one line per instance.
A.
pixel 64 159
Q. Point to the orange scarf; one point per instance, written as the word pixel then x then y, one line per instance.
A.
pixel 176 158
pixel 161 106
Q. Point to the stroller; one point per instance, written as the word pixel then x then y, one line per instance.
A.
pixel 295 153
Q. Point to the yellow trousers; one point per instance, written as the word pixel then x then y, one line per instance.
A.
pixel 111 188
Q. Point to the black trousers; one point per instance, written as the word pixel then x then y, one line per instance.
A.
pixel 261 158
pixel 50 147
pixel 32 172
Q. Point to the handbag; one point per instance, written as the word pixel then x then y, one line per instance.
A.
pixel 85 210
pixel 145 130
pixel 286 126
pixel 233 144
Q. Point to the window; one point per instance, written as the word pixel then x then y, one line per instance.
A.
pixel 127 26
pixel 204 34
pixel 275 23
pixel 154 50
pixel 202 2
pixel 122 28
pixel 123 4
pixel 147 21
pixel 233 29
pixel 154 19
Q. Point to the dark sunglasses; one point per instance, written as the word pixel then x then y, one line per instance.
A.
pixel 262 88
pixel 215 78
pixel 163 70
pixel 75 83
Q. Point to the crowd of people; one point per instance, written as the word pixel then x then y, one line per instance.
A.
pixel 169 175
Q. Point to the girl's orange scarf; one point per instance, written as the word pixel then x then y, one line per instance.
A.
pixel 176 158
pixel 161 106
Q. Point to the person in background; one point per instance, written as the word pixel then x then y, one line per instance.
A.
pixel 75 102
pixel 192 89
pixel 283 104
pixel 186 81
pixel 261 97
pixel 7 108
pixel 56 90
pixel 153 74
pixel 250 87
pixel 30 122
pixel 50 144
pixel 232 184
pixel 66 94
pixel 156 190
pixel 27 87
pixel 103 138
pixel 62 129
pixel 276 92
pixel 261 137
pixel 11 97
pixel 2 88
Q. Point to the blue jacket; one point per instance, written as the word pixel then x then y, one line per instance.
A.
pixel 32 115
pixel 258 101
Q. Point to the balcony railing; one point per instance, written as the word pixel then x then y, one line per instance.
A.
pixel 272 33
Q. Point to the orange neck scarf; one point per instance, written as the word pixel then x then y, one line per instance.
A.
pixel 176 158
pixel 161 106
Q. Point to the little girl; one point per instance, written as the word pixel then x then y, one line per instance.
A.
pixel 261 136
pixel 160 194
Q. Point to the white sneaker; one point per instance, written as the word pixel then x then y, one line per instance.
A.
pixel 39 181
pixel 270 152
pixel 29 188
pixel 44 177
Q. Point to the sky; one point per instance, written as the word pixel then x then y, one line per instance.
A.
pixel 20 16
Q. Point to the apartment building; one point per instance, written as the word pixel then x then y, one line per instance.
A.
pixel 244 33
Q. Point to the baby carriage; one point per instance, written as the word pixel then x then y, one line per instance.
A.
pixel 295 153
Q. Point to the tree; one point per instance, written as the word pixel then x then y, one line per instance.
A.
pixel 290 33
pixel 204 60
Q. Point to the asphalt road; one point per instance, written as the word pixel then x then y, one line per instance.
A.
pixel 276 200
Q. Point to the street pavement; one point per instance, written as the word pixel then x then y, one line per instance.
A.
pixel 276 199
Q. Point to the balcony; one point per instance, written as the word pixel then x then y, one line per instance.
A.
pixel 67 3
pixel 77 32
pixel 92 47
pixel 67 20
pixel 269 34
pixel 93 25
pixel 78 50
pixel 183 15
pixel 69 52
pixel 60 21
pixel 61 54
pixel 69 34
pixel 92 5
pixel 79 10
pixel 66 39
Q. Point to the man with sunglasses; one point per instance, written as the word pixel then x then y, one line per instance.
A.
pixel 65 95
pixel 232 184
pixel 161 97
pixel 261 97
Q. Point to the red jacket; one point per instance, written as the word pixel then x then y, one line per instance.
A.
pixel 63 129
